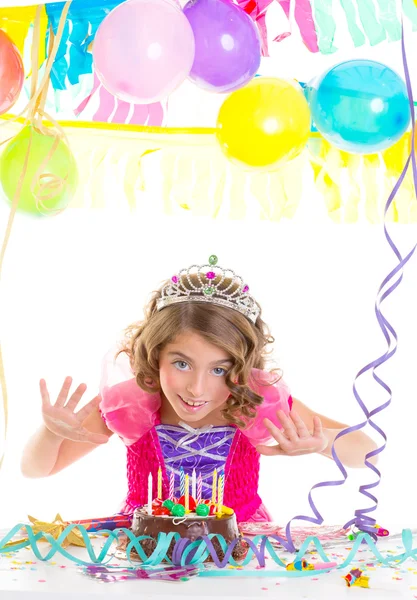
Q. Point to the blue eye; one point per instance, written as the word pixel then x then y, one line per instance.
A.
pixel 179 364
pixel 223 371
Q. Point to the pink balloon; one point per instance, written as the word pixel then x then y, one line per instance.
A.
pixel 11 73
pixel 143 50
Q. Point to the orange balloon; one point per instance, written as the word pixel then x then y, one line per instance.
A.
pixel 11 73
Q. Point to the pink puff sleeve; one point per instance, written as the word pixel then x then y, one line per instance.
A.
pixel 276 396
pixel 127 410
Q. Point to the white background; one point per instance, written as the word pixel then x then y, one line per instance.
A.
pixel 71 283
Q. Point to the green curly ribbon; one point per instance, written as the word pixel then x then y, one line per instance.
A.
pixel 195 553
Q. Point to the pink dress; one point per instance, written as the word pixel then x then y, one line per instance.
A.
pixel 133 415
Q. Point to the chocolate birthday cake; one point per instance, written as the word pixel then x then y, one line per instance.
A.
pixel 190 526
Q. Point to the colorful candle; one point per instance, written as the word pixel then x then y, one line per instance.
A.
pixel 150 494
pixel 182 482
pixel 199 488
pixel 220 494
pixel 159 483
pixel 214 487
pixel 171 485
pixel 194 485
pixel 187 493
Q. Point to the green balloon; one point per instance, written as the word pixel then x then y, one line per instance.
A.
pixel 51 174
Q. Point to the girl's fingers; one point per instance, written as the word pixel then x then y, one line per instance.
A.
pixel 301 427
pixel 76 397
pixel 63 394
pixel 288 426
pixel 88 409
pixel 46 401
pixel 278 435
pixel 318 428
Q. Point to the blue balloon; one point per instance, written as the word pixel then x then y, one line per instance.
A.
pixel 360 106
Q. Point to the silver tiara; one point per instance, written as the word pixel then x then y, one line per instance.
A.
pixel 209 279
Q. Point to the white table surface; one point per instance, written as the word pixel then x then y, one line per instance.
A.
pixel 24 577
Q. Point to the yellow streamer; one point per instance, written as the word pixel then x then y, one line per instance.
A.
pixel 17 21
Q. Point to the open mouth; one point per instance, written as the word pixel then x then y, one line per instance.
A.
pixel 191 405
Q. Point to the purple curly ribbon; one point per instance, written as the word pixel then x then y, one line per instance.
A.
pixel 361 520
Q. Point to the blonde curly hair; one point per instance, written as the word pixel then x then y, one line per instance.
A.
pixel 224 327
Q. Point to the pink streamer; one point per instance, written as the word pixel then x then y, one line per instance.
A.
pixel 303 16
pixel 113 110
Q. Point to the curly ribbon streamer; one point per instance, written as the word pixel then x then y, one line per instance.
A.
pixel 187 553
pixel 362 520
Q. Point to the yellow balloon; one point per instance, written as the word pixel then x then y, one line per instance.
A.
pixel 264 124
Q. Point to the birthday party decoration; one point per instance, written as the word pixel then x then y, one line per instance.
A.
pixel 189 553
pixel 43 167
pixel 360 106
pixel 264 124
pixel 11 73
pixel 227 45
pixel 143 50
pixel 53 529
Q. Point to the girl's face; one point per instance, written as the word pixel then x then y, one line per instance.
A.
pixel 192 374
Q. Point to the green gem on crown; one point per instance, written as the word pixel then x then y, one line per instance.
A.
pixel 208 291
pixel 213 260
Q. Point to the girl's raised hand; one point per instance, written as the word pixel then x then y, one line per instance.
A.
pixel 294 439
pixel 60 417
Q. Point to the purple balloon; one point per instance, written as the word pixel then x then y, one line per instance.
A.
pixel 227 45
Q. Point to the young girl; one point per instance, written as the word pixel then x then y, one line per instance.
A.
pixel 188 389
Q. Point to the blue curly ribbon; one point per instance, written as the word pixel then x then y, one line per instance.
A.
pixel 195 553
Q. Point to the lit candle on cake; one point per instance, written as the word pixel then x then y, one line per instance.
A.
pixel 220 494
pixel 159 484
pixel 182 482
pixel 193 485
pixel 171 485
pixel 199 489
pixel 187 494
pixel 150 494
pixel 213 487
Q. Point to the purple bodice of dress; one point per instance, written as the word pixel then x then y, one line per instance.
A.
pixel 203 449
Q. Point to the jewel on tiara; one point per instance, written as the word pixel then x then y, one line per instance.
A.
pixel 204 283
